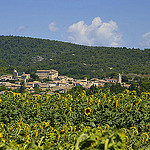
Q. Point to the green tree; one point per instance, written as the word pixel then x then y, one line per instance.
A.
pixel 2 87
pixel 37 90
pixel 116 88
pixel 124 79
pixel 144 86
pixel 22 87
pixel 34 77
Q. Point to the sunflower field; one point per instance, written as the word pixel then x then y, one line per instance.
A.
pixel 102 121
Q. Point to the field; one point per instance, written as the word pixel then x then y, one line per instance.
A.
pixel 74 122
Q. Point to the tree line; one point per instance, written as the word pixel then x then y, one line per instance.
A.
pixel 29 54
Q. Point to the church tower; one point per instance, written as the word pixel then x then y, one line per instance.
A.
pixel 119 78
pixel 15 74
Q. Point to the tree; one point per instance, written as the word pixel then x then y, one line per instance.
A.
pixel 144 86
pixel 92 90
pixel 10 69
pixel 116 88
pixel 34 76
pixel 37 90
pixel 22 87
pixel 124 79
pixel 85 76
pixel 2 87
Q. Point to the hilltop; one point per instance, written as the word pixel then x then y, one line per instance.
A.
pixel 29 54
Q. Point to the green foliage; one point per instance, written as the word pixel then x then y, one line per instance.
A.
pixel 92 90
pixel 2 88
pixel 34 77
pixel 124 79
pixel 37 90
pixel 98 121
pixel 116 88
pixel 145 86
pixel 30 54
pixel 140 87
pixel 22 87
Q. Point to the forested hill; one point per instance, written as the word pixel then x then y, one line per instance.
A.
pixel 29 54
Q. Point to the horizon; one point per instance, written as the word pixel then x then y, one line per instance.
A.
pixel 90 23
pixel 72 42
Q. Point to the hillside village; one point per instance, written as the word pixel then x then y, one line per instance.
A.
pixel 55 82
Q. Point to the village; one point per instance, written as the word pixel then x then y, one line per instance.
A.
pixel 55 82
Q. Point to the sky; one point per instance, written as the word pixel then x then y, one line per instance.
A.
pixel 115 23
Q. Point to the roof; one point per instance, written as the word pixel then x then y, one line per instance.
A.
pixel 28 86
pixel 44 70
pixel 52 70
pixel 126 85
pixel 30 82
pixel 111 79
pixel 25 74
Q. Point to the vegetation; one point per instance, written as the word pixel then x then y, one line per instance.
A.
pixel 30 54
pixel 100 121
pixel 110 118
pixel 2 88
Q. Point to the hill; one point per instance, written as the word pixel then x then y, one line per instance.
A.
pixel 28 54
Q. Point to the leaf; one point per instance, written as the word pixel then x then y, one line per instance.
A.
pixel 86 143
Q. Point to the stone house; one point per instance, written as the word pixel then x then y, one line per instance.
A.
pixel 50 74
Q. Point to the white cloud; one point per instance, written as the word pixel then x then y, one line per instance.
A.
pixel 20 28
pixel 145 40
pixel 97 34
pixel 52 27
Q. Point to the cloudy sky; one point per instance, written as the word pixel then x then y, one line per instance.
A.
pixel 117 23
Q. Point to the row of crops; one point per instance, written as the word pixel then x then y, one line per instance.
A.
pixel 63 122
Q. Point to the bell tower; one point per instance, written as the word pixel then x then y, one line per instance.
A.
pixel 15 74
pixel 119 78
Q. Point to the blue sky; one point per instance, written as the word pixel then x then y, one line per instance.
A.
pixel 116 23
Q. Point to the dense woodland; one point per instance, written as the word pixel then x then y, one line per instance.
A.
pixel 28 54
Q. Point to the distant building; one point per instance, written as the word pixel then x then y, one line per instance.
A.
pixel 126 85
pixel 33 84
pixel 111 80
pixel 15 74
pixel 25 77
pixel 15 86
pixel 6 77
pixel 119 78
pixel 51 74
pixel 44 86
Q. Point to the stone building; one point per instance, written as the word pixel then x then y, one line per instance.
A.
pixel 51 74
